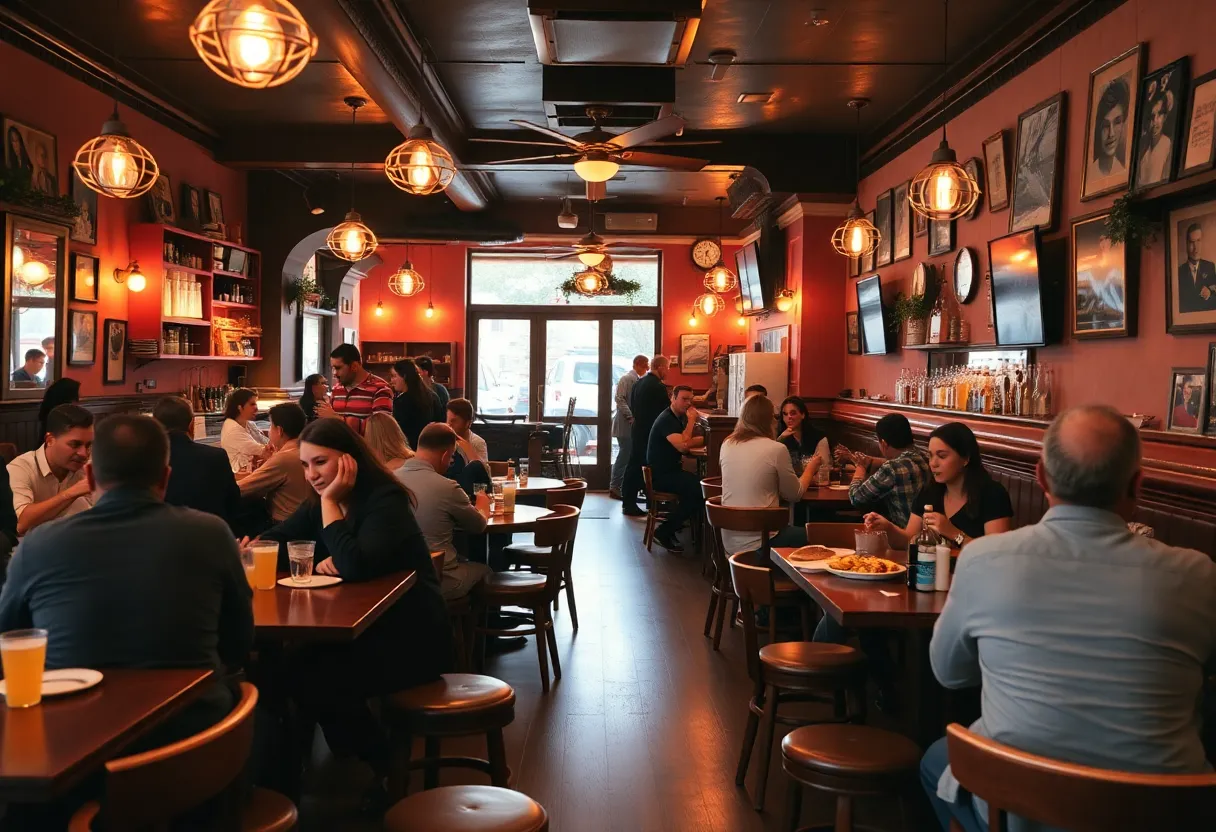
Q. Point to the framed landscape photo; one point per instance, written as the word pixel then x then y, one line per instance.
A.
pixel 882 220
pixel 901 234
pixel 1160 123
pixel 1110 124
pixel 82 338
pixel 996 166
pixel 85 276
pixel 1200 149
pixel 32 153
pixel 1190 273
pixel 1102 282
pixel 1038 161
pixel 941 237
pixel 867 260
pixel 1186 411
pixel 116 352
pixel 853 333
pixel 694 353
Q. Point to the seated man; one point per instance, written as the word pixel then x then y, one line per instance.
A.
pixel 50 483
pixel 896 479
pixel 281 478
pixel 27 374
pixel 469 445
pixel 135 583
pixel 670 438
pixel 755 390
pixel 1091 641
pixel 200 476
pixel 442 507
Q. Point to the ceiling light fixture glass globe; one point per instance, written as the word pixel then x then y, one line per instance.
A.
pixel 596 166
pixel 406 281
pixel 253 43
pixel 856 236
pixel 591 258
pixel 784 300
pixel 943 190
pixel 114 164
pixel 351 239
pixel 709 304
pixel 420 165
pixel 720 279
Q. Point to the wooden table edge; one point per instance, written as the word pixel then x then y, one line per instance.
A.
pixel 335 635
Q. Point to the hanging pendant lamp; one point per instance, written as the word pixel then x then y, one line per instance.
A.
pixel 406 281
pixel 420 165
pixel 943 190
pixel 720 279
pixel 590 282
pixel 253 43
pixel 352 239
pixel 709 304
pixel 856 236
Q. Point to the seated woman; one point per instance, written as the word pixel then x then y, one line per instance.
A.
pixel 757 472
pixel 316 388
pixel 386 441
pixel 800 436
pixel 363 523
pixel 240 437
pixel 965 501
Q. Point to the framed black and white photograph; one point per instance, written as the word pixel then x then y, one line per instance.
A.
pixel 215 208
pixel 694 352
pixel 85 277
pixel 882 221
pixel 84 227
pixel 920 224
pixel 192 207
pixel 116 352
pixel 867 260
pixel 1017 292
pixel 996 166
pixel 160 202
pixel 1200 152
pixel 1186 411
pixel 1210 430
pixel 1160 123
pixel 30 152
pixel 974 167
pixel 901 234
pixel 853 333
pixel 82 338
pixel 1102 282
pixel 1110 124
pixel 941 237
pixel 1190 284
pixel 1038 160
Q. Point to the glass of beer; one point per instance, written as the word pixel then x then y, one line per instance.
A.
pixel 508 498
pixel 265 564
pixel 299 554
pixel 23 653
pixel 247 563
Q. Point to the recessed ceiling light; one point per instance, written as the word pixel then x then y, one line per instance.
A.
pixel 755 98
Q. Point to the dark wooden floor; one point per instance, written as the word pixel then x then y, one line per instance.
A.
pixel 642 733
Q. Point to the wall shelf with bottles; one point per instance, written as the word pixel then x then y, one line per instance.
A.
pixel 992 382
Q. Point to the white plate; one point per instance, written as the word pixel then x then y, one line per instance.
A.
pixel 67 680
pixel 870 576
pixel 838 488
pixel 315 582
pixel 817 565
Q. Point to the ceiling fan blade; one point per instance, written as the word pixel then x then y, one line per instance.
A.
pixel 517 141
pixel 561 256
pixel 626 248
pixel 553 134
pixel 647 133
pixel 661 160
pixel 552 156
pixel 673 144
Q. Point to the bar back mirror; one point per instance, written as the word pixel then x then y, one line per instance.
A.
pixel 34 294
pixel 978 358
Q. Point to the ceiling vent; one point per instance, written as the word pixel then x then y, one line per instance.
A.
pixel 628 97
pixel 614 32
pixel 749 195
pixel 622 222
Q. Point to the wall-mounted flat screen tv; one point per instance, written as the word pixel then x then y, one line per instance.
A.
pixel 872 316
pixel 747 266
pixel 1017 291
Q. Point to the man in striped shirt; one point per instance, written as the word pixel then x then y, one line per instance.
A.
pixel 357 393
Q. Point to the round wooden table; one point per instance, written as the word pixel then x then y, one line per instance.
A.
pixel 536 485
pixel 523 519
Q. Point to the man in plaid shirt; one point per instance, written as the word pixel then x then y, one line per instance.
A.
pixel 898 476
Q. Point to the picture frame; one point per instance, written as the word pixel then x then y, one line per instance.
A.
pixel 160 201
pixel 1159 125
pixel 996 168
pixel 115 370
pixel 1102 282
pixel 882 221
pixel 192 207
pixel 215 208
pixel 86 277
pixel 1015 289
pixel 852 333
pixel 867 260
pixel 775 339
pixel 694 353
pixel 1190 230
pixel 1210 428
pixel 920 225
pixel 34 153
pixel 346 306
pixel 1186 407
pixel 901 213
pixel 84 227
pixel 1038 166
pixel 975 167
pixel 82 338
pixel 235 261
pixel 941 237
pixel 1199 152
pixel 1110 124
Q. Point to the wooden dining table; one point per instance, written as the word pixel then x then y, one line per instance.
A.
pixel 327 614
pixel 50 747
pixel 523 519
pixel 538 485
pixel 828 498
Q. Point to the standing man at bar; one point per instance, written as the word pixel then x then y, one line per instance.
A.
pixel 49 482
pixel 357 393
pixel 647 401
pixel 622 423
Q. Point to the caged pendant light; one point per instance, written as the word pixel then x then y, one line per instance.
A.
pixel 352 239
pixel 720 279
pixel 406 281
pixel 253 43
pixel 420 165
pixel 856 236
pixel 709 304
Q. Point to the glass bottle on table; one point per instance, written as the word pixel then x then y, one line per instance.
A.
pixel 922 558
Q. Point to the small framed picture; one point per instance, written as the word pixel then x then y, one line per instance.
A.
pixel 116 352
pixel 236 261
pixel 941 237
pixel 1103 282
pixel 84 227
pixel 1199 153
pixel 192 207
pixel 867 260
pixel 1187 408
pixel 215 208
pixel 976 169
pixel 694 353
pixel 901 225
pixel 82 338
pixel 85 276
pixel 996 165
pixel 853 333
pixel 1110 124
pixel 160 201
pixel 882 220
pixel 32 153
pixel 1190 268
pixel 346 306
pixel 1160 123
pixel 1038 166
pixel 920 224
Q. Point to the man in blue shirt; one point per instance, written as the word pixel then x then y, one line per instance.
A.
pixel 670 438
pixel 1092 642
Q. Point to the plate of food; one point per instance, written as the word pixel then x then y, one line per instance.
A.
pixel 864 567
pixel 815 557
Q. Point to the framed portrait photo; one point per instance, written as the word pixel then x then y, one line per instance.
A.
pixel 853 333
pixel 941 237
pixel 82 338
pixel 215 208
pixel 1159 125
pixel 115 371
pixel 882 221
pixel 1110 124
pixel 901 211
pixel 86 273
pixel 84 227
pixel 1038 161
pixel 192 207
pixel 996 166
pixel 31 152
pixel 1102 282
pixel 1200 149
pixel 160 201
pixel 867 260
pixel 1186 411
pixel 694 352
pixel 1190 273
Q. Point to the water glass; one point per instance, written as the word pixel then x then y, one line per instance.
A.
pixel 23 653
pixel 523 474
pixel 300 554
pixel 265 564
pixel 824 475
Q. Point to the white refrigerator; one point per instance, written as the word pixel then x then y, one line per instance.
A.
pixel 771 369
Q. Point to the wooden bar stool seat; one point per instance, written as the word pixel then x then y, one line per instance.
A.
pixel 655 500
pixel 847 761
pixel 467 809
pixel 810 658
pixel 457 705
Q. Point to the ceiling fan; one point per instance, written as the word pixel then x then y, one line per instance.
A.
pixel 599 154
pixel 590 249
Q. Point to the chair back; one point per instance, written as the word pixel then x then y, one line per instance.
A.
pixel 648 486
pixel 1076 797
pixel 711 487
pixel 572 495
pixel 497 468
pixel 836 535
pixel 557 532
pixel 767 521
pixel 536 451
pixel 754 586
pixel 154 787
pixel 437 564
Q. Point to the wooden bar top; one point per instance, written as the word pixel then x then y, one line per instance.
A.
pixel 46 749
pixel 333 613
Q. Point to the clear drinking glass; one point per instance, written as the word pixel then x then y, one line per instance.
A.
pixel 23 653
pixel 300 554
pixel 523 474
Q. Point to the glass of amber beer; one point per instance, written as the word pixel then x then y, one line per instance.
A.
pixel 265 564
pixel 23 653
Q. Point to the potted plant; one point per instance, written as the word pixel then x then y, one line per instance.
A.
pixel 305 292
pixel 912 309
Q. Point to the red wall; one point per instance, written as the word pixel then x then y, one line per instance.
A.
pixel 49 100
pixel 1170 29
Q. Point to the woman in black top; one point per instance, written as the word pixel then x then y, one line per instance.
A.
pixel 799 435
pixel 414 404
pixel 61 391
pixel 315 390
pixel 965 501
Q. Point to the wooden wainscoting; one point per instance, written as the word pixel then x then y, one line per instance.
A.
pixel 19 420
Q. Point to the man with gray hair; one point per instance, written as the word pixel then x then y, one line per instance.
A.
pixel 622 423
pixel 1092 642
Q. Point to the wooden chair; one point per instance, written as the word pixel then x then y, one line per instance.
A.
pixel 710 487
pixel 836 535
pixel 788 672
pixel 460 616
pixel 467 809
pixel 1075 797
pixel 654 501
pixel 8 451
pixel 537 558
pixel 151 789
pixel 535 592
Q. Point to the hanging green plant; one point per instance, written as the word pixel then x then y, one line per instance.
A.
pixel 15 188
pixel 616 286
pixel 1127 224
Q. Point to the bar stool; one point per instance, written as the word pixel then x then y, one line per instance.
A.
pixel 848 761
pixel 467 809
pixel 537 558
pixel 654 512
pixel 710 487
pixel 787 672
pixel 457 705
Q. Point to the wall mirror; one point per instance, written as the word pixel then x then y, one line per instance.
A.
pixel 34 291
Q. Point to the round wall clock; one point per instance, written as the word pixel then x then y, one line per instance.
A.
pixel 965 283
pixel 706 253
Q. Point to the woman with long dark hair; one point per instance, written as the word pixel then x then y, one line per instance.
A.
pixel 800 436
pixel 961 502
pixel 240 437
pixel 316 388
pixel 414 404
pixel 61 391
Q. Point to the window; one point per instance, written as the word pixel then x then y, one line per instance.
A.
pixel 505 279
